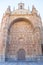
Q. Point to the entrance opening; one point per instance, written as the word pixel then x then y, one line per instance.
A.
pixel 21 54
pixel 42 48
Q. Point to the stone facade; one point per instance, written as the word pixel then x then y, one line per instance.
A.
pixel 20 30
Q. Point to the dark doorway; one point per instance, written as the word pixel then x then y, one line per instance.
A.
pixel 42 48
pixel 21 54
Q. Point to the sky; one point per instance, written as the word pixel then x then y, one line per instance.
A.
pixel 14 4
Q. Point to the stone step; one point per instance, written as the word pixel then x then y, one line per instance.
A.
pixel 21 63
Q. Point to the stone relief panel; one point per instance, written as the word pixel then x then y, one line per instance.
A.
pixel 20 36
